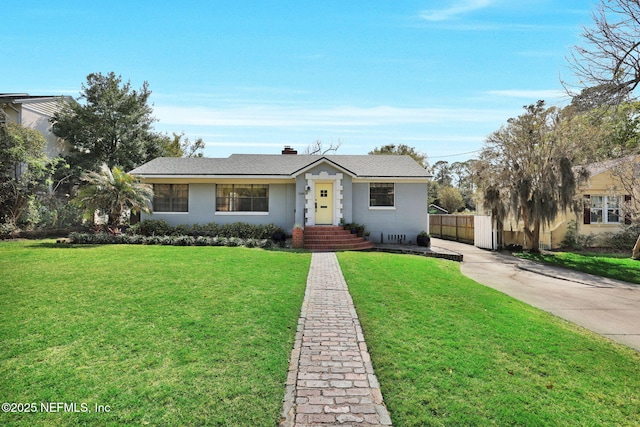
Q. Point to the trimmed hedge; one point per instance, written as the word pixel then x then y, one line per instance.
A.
pixel 137 239
pixel 240 230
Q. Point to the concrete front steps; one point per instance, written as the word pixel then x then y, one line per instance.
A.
pixel 332 238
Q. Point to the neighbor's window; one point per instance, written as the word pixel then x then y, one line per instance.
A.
pixel 606 209
pixel 614 213
pixel 381 195
pixel 171 197
pixel 242 198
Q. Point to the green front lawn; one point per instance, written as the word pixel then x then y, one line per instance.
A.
pixel 201 336
pixel 620 267
pixel 450 352
pixel 163 336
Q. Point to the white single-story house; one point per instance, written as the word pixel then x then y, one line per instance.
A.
pixel 385 193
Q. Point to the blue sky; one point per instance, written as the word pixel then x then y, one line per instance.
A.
pixel 253 76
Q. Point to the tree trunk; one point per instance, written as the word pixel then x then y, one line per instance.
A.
pixel 534 237
pixel 636 250
pixel 500 232
pixel 532 234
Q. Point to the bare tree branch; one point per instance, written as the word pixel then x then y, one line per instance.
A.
pixel 610 57
pixel 318 148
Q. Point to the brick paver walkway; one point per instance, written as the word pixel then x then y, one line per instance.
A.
pixel 331 379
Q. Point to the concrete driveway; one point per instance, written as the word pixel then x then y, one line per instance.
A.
pixel 608 307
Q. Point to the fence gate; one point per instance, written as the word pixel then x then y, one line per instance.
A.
pixel 483 234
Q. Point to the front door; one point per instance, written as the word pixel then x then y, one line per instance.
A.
pixel 324 203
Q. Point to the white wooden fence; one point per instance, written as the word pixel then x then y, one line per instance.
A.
pixel 484 236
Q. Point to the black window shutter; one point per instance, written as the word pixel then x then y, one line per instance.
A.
pixel 587 209
pixel 627 207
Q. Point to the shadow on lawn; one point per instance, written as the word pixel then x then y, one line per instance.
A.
pixel 595 264
pixel 55 245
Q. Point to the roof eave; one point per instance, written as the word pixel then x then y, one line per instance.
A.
pixel 392 178
pixel 208 176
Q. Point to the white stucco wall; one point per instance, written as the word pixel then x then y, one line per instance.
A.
pixel 407 218
pixel 202 208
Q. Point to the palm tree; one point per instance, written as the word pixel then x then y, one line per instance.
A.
pixel 113 192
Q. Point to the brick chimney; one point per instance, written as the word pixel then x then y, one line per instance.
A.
pixel 289 150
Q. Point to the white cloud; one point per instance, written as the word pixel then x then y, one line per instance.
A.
pixel 342 116
pixel 534 95
pixel 459 7
pixel 235 144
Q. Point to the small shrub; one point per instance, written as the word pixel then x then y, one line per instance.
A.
pixel 56 212
pixel 153 240
pixel 79 238
pixel 201 241
pixel 268 230
pixel 236 229
pixel 154 227
pixel 624 239
pixel 183 241
pixel 574 240
pixel 267 244
pixel 197 230
pixel 227 230
pixel 104 238
pixel 7 229
pixel 234 241
pixel 135 239
pixel 279 237
pixel 219 241
pixel 211 229
pixel 423 239
pixel 133 229
pixel 181 230
pixel 571 237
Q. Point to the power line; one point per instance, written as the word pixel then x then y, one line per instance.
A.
pixel 453 155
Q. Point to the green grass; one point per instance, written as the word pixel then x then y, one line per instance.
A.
pixel 450 352
pixel 620 267
pixel 165 336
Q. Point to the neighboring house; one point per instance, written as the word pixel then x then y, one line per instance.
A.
pixel 608 201
pixel 435 209
pixel 387 194
pixel 35 112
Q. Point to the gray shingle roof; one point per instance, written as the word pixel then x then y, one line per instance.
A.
pixel 282 165
pixel 600 167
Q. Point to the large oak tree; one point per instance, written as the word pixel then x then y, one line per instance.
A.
pixel 401 150
pixel 110 124
pixel 526 169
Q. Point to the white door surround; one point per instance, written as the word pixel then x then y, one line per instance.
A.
pixel 310 196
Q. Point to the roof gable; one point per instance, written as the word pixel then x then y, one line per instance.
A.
pixel 319 161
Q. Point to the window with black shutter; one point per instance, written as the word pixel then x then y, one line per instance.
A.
pixel 587 209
